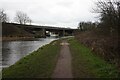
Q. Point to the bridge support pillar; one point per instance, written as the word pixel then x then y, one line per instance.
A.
pixel 63 32
pixel 43 32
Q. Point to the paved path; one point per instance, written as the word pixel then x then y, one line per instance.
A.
pixel 63 67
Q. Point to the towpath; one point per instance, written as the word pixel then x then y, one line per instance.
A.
pixel 63 67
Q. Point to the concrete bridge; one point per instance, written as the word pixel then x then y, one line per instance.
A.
pixel 44 30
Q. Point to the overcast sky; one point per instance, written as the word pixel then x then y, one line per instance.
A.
pixel 62 13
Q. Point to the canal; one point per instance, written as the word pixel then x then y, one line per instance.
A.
pixel 12 51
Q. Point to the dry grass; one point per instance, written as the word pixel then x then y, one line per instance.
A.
pixel 105 46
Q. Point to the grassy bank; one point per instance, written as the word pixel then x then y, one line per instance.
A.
pixel 14 30
pixel 16 38
pixel 87 65
pixel 39 64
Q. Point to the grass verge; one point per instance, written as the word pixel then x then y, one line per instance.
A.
pixel 87 65
pixel 39 64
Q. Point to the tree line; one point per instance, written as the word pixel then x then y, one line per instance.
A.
pixel 20 17
pixel 103 36
pixel 109 17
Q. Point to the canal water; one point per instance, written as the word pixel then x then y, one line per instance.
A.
pixel 12 51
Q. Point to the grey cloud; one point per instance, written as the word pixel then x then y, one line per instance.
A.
pixel 52 12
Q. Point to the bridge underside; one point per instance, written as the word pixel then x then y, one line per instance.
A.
pixel 61 32
pixel 43 32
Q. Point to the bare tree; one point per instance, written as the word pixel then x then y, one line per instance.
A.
pixel 3 16
pixel 22 18
pixel 109 14
pixel 30 21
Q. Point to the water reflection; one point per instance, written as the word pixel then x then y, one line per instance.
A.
pixel 12 51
